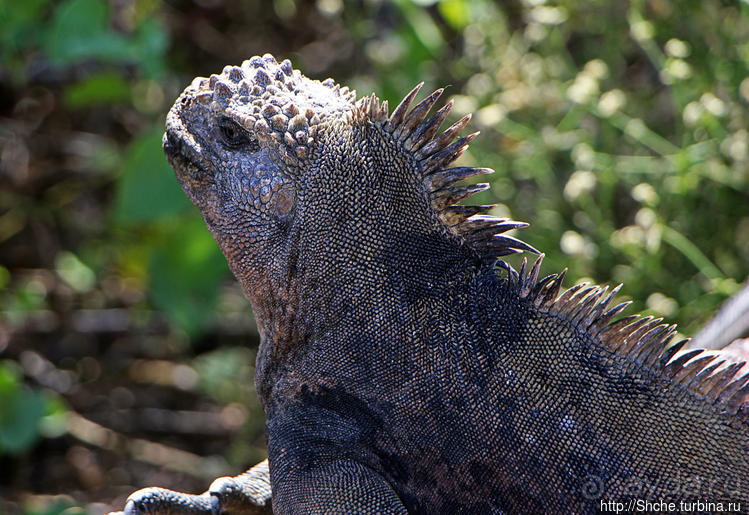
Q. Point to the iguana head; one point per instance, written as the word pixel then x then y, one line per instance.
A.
pixel 237 142
pixel 278 163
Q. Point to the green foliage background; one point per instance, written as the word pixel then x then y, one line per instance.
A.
pixel 618 129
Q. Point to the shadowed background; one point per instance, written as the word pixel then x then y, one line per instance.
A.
pixel 619 130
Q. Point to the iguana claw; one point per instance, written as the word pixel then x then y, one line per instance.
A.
pixel 215 505
pixel 160 501
pixel 246 493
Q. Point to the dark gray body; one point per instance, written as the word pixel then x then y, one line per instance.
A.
pixel 400 370
pixel 490 419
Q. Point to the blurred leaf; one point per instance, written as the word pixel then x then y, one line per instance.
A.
pixel 285 9
pixel 147 189
pixel 21 410
pixel 4 277
pixel 18 24
pixel 54 423
pixel 691 252
pixel 423 28
pixel 185 273
pixel 58 505
pixel 74 272
pixel 226 373
pixel 151 43
pixel 29 296
pixel 104 88
pixel 80 30
pixel 455 12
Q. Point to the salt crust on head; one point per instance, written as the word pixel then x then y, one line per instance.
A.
pixel 274 101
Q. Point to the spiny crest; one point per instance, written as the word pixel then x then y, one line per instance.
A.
pixel 644 339
pixel 435 152
pixel 274 101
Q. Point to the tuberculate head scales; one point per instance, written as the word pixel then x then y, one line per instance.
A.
pixel 273 101
pixel 238 142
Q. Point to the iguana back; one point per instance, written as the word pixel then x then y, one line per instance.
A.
pixel 403 367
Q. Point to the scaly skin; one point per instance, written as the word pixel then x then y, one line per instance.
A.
pixel 398 370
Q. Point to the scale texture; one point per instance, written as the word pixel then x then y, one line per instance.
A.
pixel 403 366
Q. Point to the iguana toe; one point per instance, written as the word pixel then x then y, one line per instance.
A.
pixel 160 501
pixel 246 493
pixel 215 505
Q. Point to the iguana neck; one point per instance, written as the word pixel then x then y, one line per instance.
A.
pixel 351 254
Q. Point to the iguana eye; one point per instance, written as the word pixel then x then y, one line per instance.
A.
pixel 235 136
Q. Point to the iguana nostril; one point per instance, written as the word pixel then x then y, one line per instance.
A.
pixel 167 145
pixel 171 142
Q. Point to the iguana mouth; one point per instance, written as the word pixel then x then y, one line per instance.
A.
pixel 173 147
pixel 181 153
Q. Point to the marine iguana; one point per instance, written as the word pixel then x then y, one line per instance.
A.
pixel 403 366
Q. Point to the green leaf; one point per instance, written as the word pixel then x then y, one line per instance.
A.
pixel 54 423
pixel 80 30
pixel 104 88
pixel 147 190
pixel 4 277
pixel 17 23
pixel 8 379
pixel 150 46
pixel 74 272
pixel 455 12
pixel 21 411
pixel 422 27
pixel 225 373
pixel 185 274
pixel 57 505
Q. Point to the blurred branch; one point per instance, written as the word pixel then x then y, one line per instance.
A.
pixel 143 450
pixel 691 252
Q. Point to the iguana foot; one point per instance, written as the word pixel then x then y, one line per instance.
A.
pixel 166 502
pixel 246 493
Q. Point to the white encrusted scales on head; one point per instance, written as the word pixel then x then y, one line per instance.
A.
pixel 274 101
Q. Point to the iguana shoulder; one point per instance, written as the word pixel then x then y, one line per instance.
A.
pixel 403 365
